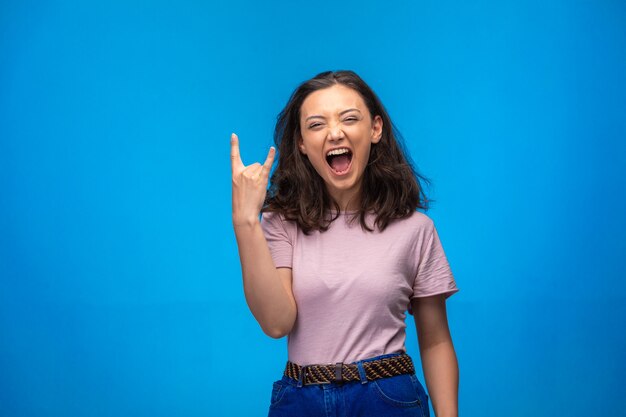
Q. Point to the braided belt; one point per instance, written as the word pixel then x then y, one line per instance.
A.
pixel 341 372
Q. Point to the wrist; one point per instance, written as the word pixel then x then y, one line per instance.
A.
pixel 242 223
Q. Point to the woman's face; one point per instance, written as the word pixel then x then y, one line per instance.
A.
pixel 337 132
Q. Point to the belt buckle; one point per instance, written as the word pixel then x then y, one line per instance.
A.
pixel 305 372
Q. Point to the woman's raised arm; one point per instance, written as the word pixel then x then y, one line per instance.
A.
pixel 267 288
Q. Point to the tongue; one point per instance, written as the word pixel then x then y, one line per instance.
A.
pixel 340 163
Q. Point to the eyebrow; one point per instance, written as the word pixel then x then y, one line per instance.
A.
pixel 342 112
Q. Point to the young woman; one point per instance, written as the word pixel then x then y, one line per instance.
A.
pixel 340 255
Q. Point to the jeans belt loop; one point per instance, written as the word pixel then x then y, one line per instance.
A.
pixel 338 373
pixel 362 374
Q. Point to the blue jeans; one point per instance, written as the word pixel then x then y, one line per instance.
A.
pixel 400 395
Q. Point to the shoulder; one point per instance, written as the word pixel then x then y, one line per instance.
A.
pixel 420 219
pixel 274 220
pixel 272 217
pixel 417 223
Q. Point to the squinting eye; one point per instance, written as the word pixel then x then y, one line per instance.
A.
pixel 313 125
pixel 350 119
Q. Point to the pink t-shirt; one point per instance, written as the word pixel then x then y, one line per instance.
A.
pixel 353 287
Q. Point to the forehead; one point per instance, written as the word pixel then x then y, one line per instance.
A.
pixel 331 100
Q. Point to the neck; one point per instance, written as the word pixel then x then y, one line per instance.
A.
pixel 347 200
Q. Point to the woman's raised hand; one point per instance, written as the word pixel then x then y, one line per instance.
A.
pixel 249 185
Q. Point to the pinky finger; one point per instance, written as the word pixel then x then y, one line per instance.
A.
pixel 269 161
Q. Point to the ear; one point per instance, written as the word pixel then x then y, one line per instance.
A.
pixel 301 145
pixel 377 129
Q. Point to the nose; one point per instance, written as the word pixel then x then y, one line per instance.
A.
pixel 335 132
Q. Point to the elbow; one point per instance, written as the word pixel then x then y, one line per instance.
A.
pixel 276 332
pixel 279 327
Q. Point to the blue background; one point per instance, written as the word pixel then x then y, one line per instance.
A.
pixel 120 285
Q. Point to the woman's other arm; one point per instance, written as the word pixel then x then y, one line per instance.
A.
pixel 439 362
pixel 267 288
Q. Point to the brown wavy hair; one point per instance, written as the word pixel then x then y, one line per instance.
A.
pixel 391 186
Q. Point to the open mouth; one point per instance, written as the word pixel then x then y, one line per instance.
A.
pixel 339 160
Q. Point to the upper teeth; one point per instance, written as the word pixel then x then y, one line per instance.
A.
pixel 338 151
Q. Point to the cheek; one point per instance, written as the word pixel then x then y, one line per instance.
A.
pixel 310 144
pixel 364 154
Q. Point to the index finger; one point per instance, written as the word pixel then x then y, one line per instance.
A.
pixel 235 157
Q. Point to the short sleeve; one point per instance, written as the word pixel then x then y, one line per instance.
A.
pixel 279 238
pixel 434 275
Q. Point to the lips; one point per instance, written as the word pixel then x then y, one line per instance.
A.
pixel 339 160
